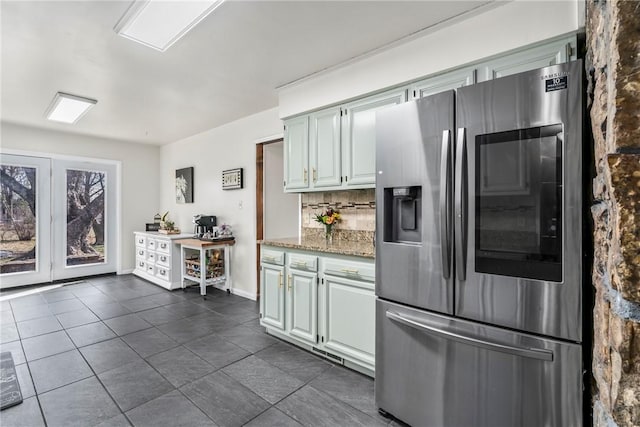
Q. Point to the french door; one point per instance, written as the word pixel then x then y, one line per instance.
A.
pixel 25 220
pixel 58 219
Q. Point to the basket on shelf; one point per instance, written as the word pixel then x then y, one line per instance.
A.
pixel 215 268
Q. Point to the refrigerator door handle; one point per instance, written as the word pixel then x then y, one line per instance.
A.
pixel 445 203
pixel 460 203
pixel 532 353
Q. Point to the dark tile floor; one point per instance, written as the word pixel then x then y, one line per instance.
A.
pixel 119 351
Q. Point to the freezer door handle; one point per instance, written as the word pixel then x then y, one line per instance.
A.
pixel 445 203
pixel 460 203
pixel 533 353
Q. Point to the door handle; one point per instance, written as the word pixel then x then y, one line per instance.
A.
pixel 279 280
pixel 304 173
pixel 445 203
pixel 532 353
pixel 460 204
pixel 315 175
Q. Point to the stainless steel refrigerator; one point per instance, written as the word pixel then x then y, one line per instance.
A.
pixel 479 254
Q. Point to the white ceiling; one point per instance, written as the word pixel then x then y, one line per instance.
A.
pixel 227 67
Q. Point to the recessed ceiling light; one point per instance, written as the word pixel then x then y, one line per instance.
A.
pixel 159 24
pixel 67 108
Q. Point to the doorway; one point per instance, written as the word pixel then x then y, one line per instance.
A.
pixel 277 212
pixel 58 219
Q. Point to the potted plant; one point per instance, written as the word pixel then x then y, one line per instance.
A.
pixel 167 226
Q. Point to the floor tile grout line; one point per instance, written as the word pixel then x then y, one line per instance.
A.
pixel 249 324
pixel 95 374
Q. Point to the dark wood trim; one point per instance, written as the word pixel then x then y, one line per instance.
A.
pixel 260 203
pixel 259 208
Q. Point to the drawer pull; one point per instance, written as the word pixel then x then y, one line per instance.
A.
pixel 141 264
pixel 163 258
pixel 163 245
pixel 140 252
pixel 269 258
pixel 163 272
pixel 140 240
pixel 300 264
pixel 350 270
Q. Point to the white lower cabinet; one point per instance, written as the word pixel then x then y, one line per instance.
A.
pixel 302 297
pixel 158 258
pixel 323 303
pixel 349 317
pixel 272 296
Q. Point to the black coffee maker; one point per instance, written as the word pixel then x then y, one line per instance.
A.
pixel 203 224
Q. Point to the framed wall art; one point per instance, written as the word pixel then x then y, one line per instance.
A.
pixel 184 185
pixel 232 179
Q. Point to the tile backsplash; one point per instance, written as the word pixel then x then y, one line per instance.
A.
pixel 357 210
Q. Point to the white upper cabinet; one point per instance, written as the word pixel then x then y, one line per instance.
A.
pixel 324 144
pixel 296 153
pixel 448 81
pixel 334 148
pixel 553 53
pixel 338 150
pixel 359 137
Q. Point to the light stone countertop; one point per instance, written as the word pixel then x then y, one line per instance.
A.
pixel 342 247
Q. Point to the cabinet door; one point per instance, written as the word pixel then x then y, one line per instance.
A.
pixel 324 143
pixel 542 56
pixel 296 153
pixel 349 318
pixel 359 137
pixel 448 81
pixel 302 302
pixel 272 296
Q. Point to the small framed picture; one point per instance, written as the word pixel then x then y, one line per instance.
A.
pixel 152 226
pixel 232 179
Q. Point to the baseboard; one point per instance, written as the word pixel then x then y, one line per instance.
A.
pixel 127 271
pixel 249 295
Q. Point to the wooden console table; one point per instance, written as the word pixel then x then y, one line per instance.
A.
pixel 197 253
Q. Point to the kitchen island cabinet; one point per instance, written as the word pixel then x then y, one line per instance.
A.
pixel 202 263
pixel 158 258
pixel 321 301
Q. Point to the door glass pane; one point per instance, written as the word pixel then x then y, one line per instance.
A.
pixel 17 219
pixel 85 217
pixel 519 203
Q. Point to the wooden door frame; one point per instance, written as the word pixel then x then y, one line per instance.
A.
pixel 260 202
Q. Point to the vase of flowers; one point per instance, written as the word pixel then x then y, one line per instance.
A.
pixel 328 218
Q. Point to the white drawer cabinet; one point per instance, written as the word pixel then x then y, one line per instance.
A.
pixel 157 256
pixel 322 302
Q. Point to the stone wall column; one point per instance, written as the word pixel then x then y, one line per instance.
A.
pixel 613 69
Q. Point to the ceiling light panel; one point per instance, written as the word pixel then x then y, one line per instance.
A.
pixel 67 108
pixel 159 23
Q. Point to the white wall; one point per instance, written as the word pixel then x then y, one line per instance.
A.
pixel 226 147
pixel 281 210
pixel 139 172
pixel 510 26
